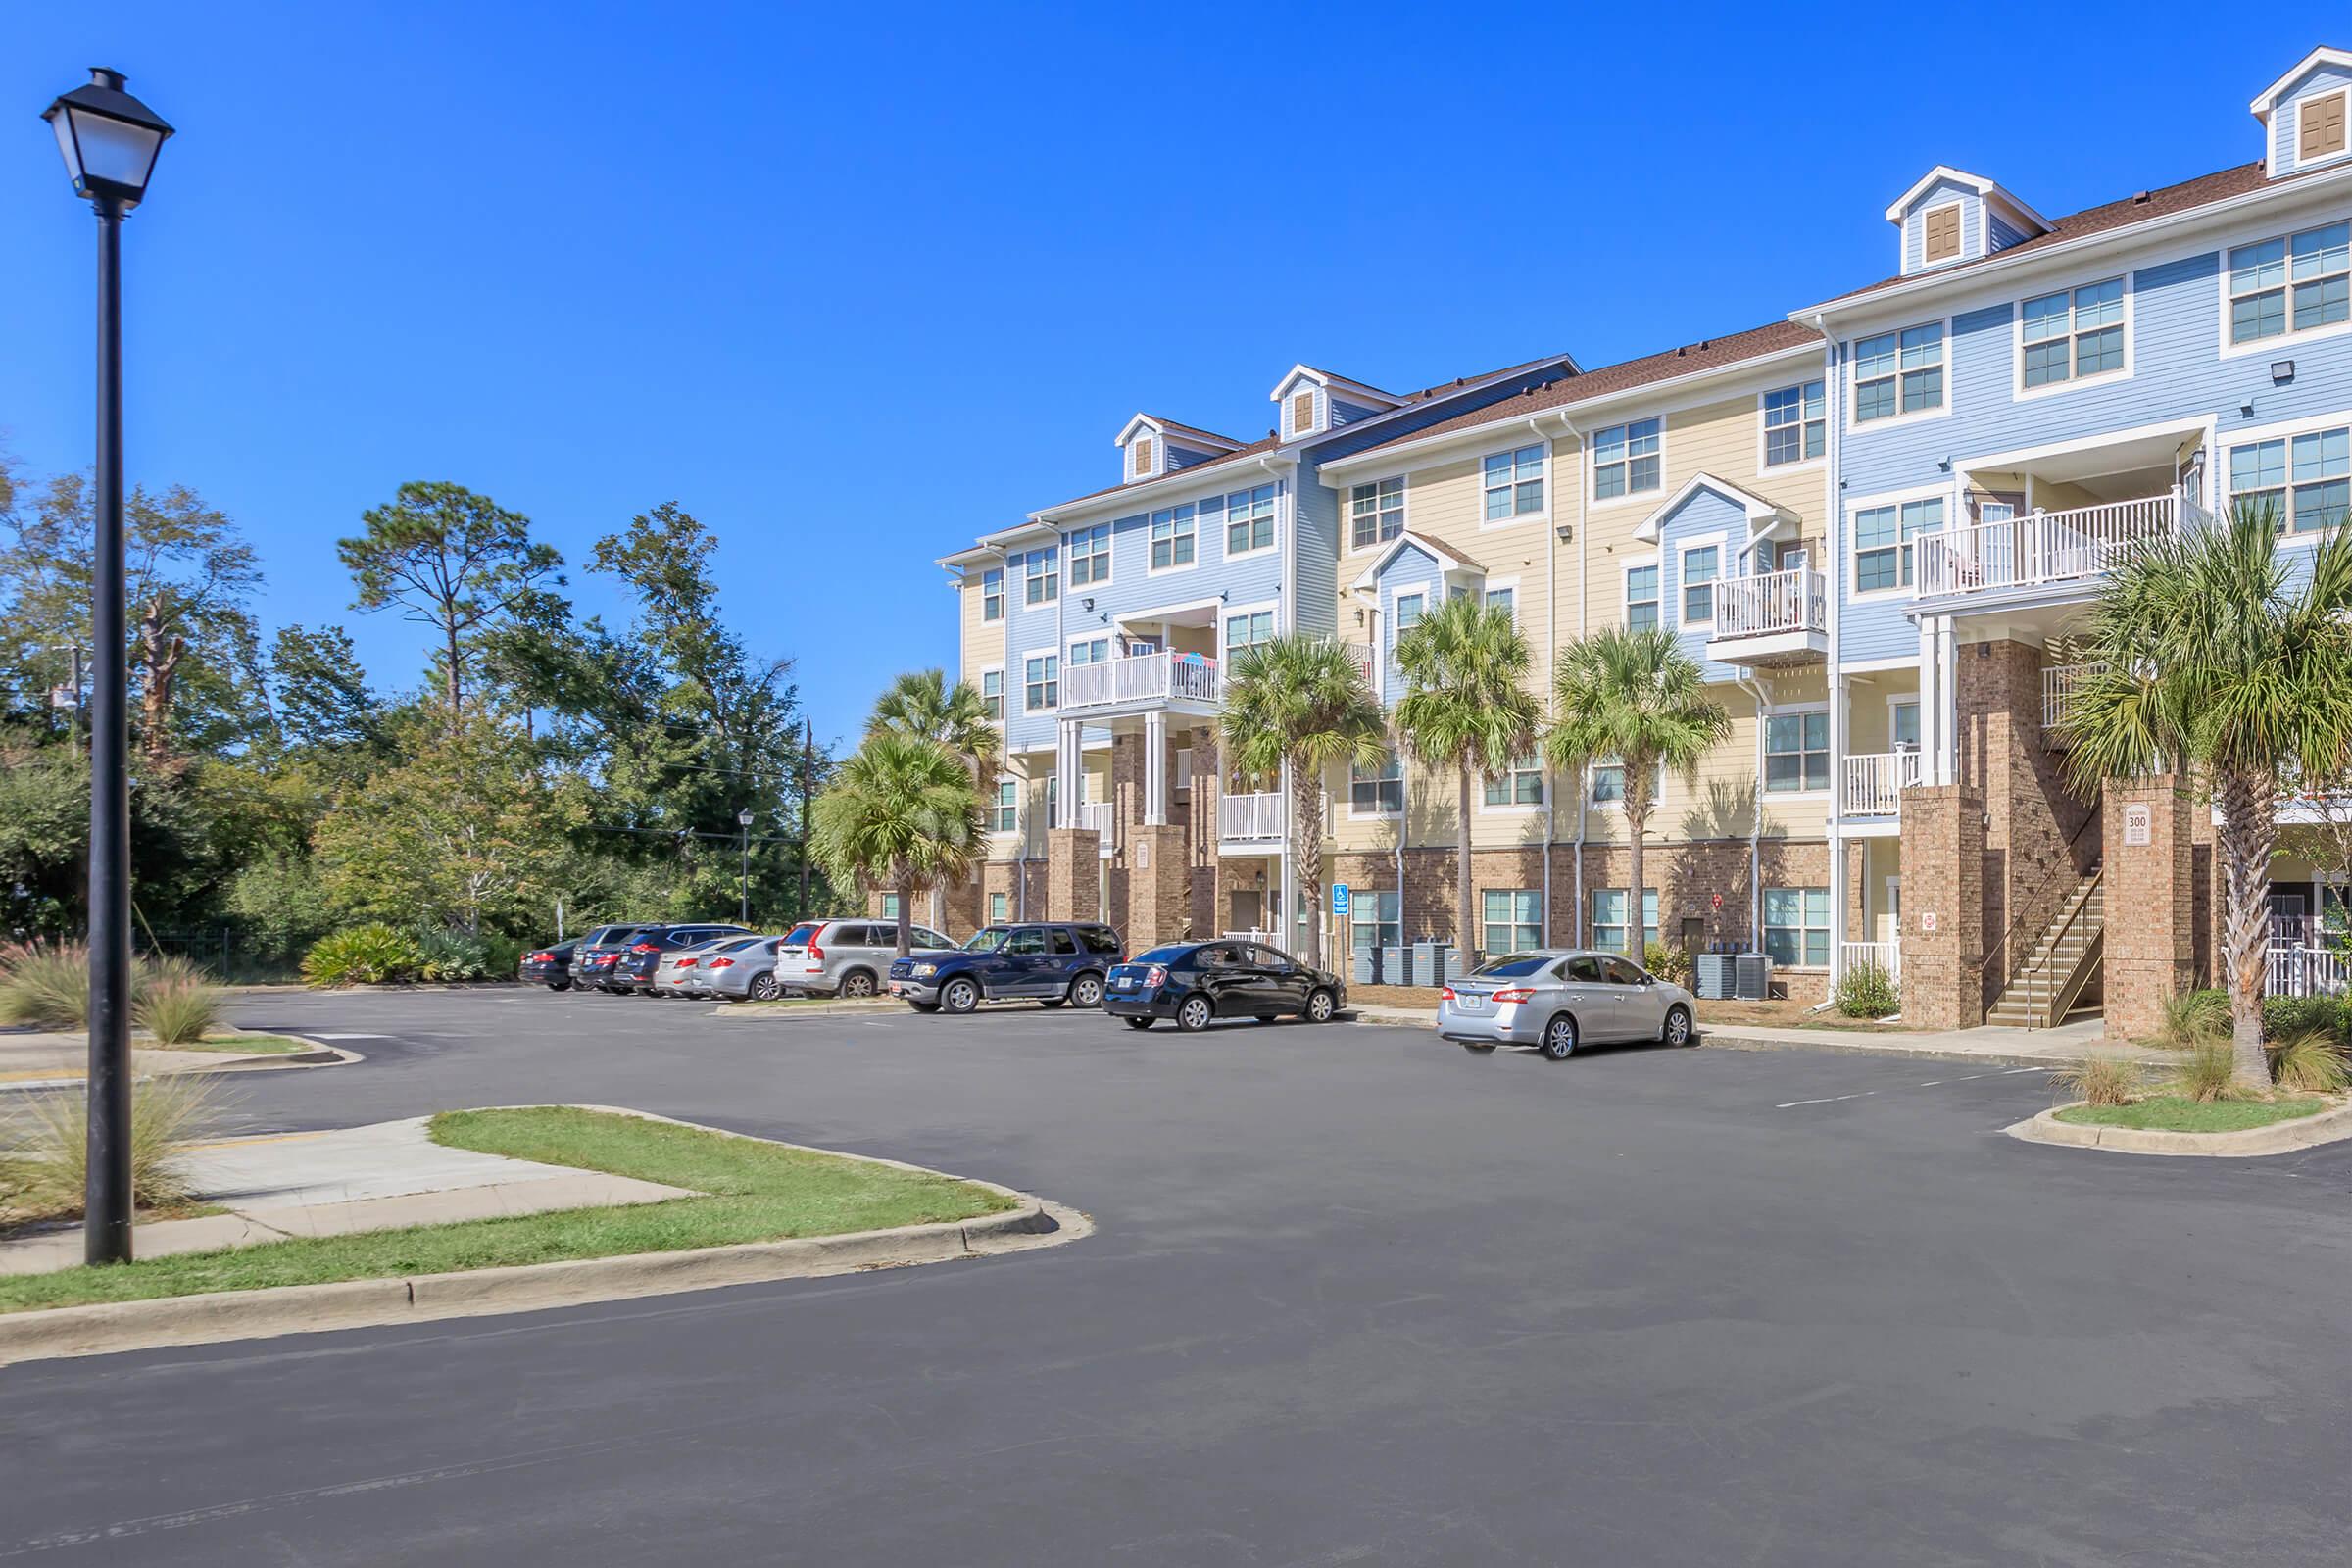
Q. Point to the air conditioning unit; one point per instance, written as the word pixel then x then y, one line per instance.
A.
pixel 1714 972
pixel 1752 976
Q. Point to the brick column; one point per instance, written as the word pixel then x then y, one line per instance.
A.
pixel 2029 868
pixel 1073 874
pixel 1943 888
pixel 1209 788
pixel 2151 894
pixel 1160 887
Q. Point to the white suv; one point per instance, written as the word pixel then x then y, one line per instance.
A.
pixel 846 958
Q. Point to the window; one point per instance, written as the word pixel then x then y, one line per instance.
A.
pixel 1249 520
pixel 992 692
pixel 992 594
pixel 1302 413
pixel 1898 373
pixel 1247 630
pixel 1379 791
pixel 1514 483
pixel 1041 576
pixel 1796 926
pixel 1000 907
pixel 1608 783
pixel 2292 284
pixel 1375 513
pixel 1700 567
pixel 890 911
pixel 1053 800
pixel 1796 753
pixel 2072 334
pixel 1883 535
pixel 1507 599
pixel 1090 651
pixel 1044 682
pixel 1515 920
pixel 1090 555
pixel 2320 126
pixel 2308 477
pixel 1409 609
pixel 1903 721
pixel 1141 452
pixel 1641 598
pixel 1943 227
pixel 1523 785
pixel 1006 815
pixel 1608 918
pixel 1793 424
pixel 1378 919
pixel 1172 540
pixel 1625 460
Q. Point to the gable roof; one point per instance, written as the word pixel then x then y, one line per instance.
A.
pixel 1989 189
pixel 1183 433
pixel 1331 381
pixel 2268 99
pixel 1758 510
pixel 1446 556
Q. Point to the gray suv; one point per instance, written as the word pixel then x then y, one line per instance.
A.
pixel 846 957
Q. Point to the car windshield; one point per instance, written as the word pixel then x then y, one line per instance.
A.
pixel 986 940
pixel 1160 955
pixel 1512 965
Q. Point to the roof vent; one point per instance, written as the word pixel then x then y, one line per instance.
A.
pixel 2139 199
pixel 1679 353
pixel 1705 344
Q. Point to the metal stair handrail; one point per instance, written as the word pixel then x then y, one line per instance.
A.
pixel 2063 986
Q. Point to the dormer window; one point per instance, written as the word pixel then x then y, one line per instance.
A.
pixel 1302 412
pixel 1943 232
pixel 1139 453
pixel 2320 126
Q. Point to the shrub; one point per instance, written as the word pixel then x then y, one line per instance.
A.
pixel 1867 991
pixel 361 955
pixel 450 956
pixel 2284 1016
pixel 502 957
pixel 46 1168
pixel 2100 1081
pixel 2311 1061
pixel 178 1008
pixel 2206 1072
pixel 2193 1018
pixel 1667 964
pixel 45 984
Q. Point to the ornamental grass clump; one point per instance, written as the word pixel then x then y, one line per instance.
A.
pixel 45 984
pixel 2100 1081
pixel 179 1009
pixel 44 1146
pixel 2191 1018
pixel 2206 1072
pixel 2309 1062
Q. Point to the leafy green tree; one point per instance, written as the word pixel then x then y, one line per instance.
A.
pixel 1298 701
pixel 922 703
pixel 1635 697
pixel 451 560
pixel 324 703
pixel 2215 658
pixel 1466 709
pixel 902 813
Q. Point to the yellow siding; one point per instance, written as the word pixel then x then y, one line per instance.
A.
pixel 983 640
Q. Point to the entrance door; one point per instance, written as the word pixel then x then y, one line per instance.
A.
pixel 1889 926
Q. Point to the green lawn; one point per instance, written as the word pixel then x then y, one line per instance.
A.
pixel 759 1192
pixel 2173 1115
pixel 238 1045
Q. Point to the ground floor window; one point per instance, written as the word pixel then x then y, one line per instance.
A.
pixel 1515 920
pixel 1000 907
pixel 1377 790
pixel 1608 919
pixel 890 906
pixel 1376 918
pixel 1796 925
pixel 1523 785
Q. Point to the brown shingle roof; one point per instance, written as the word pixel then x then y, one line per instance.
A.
pixel 1173 427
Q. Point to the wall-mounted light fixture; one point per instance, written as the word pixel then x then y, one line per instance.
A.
pixel 1565 532
pixel 1944 465
pixel 1090 604
pixel 2246 410
pixel 2281 371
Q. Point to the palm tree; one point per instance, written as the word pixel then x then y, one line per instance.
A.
pixel 2212 659
pixel 1300 701
pixel 921 703
pixel 901 812
pixel 1466 709
pixel 1635 696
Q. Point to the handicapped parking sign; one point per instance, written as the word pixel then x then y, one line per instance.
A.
pixel 1339 898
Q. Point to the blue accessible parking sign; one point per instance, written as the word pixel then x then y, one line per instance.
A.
pixel 1339 898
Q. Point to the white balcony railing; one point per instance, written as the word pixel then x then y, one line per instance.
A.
pixel 1098 814
pixel 2305 972
pixel 1140 679
pixel 1874 782
pixel 1775 602
pixel 1249 819
pixel 1360 655
pixel 1885 956
pixel 2059 683
pixel 2045 547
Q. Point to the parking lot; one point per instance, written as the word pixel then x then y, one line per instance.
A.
pixel 1357 1295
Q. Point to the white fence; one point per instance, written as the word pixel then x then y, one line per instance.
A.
pixel 2306 972
pixel 2045 546
pixel 1886 955
pixel 1874 782
pixel 1099 815
pixel 1141 678
pixel 1249 819
pixel 1777 601
pixel 2059 683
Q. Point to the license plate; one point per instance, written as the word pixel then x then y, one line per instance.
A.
pixel 1125 982
pixel 896 987
pixel 1470 1001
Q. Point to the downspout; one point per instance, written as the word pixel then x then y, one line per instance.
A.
pixel 1583 619
pixel 1840 694
pixel 1552 650
pixel 1287 931
pixel 1755 821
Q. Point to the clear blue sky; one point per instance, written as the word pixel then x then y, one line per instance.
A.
pixel 852 288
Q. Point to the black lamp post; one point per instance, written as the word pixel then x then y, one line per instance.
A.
pixel 110 140
pixel 743 819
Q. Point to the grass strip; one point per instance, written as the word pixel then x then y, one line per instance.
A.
pixel 2170 1113
pixel 759 1192
pixel 236 1045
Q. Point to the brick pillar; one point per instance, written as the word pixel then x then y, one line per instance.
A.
pixel 1943 887
pixel 1160 888
pixel 2152 901
pixel 1209 788
pixel 1073 874
pixel 2028 869
pixel 1126 811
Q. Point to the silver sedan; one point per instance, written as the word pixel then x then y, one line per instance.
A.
pixel 1559 999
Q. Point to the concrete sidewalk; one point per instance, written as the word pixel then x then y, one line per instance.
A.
pixel 54 1058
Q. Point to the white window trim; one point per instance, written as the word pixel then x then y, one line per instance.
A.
pixel 1494 585
pixel 1959 233
pixel 1594 803
pixel 1800 889
pixel 1404 501
pixel 1291 430
pixel 2281 346
pixel 1003 699
pixel 1069 554
pixel 1721 544
pixel 1478 801
pixel 1764 431
pixel 1404 794
pixel 1853 365
pixel 1624 573
pixel 1020 805
pixel 1226 611
pixel 1004 597
pixel 2285 431
pixel 1159 458
pixel 1478 479
pixel 1173 570
pixel 2017 343
pixel 1110 648
pixel 1591 475
pixel 1764 754
pixel 1027 654
pixel 1851 573
pixel 1280 509
pixel 1895 700
pixel 2325 158
pixel 1052 598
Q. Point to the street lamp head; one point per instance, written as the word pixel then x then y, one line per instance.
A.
pixel 742 818
pixel 109 138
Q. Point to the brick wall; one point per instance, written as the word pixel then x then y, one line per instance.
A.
pixel 1159 887
pixel 2155 912
pixel 1943 874
pixel 1073 875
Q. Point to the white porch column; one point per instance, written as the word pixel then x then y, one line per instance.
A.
pixel 1930 710
pixel 1947 700
pixel 1155 769
pixel 1069 767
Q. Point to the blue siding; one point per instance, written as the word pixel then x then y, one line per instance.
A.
pixel 1703 512
pixel 1344 412
pixel 1317 608
pixel 1915 225
pixel 2003 235
pixel 2286 116
pixel 1410 569
pixel 1179 456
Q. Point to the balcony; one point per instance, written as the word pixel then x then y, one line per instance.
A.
pixel 1138 683
pixel 2046 548
pixel 1097 815
pixel 1360 655
pixel 1874 782
pixel 2059 683
pixel 1249 819
pixel 1778 618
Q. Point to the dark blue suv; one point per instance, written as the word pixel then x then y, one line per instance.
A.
pixel 1051 961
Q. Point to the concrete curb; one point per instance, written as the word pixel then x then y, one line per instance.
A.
pixel 321 1054
pixel 2280 1138
pixel 1732 1040
pixel 115 1326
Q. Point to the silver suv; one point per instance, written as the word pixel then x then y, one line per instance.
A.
pixel 846 958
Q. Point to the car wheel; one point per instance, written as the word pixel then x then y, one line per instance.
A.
pixel 856 984
pixel 1559 1038
pixel 765 989
pixel 1678 1030
pixel 1193 1013
pixel 1320 1006
pixel 1087 991
pixel 959 995
pixel 1138 1023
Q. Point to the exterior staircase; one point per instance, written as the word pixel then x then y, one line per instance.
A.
pixel 2062 968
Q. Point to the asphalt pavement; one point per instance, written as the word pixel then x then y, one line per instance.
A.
pixel 1357 1295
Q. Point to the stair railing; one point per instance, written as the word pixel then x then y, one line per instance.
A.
pixel 2049 990
pixel 2028 922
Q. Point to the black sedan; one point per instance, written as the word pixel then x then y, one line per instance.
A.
pixel 550 966
pixel 1198 982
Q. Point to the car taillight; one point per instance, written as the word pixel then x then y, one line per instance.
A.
pixel 816 954
pixel 1446 995
pixel 541 957
pixel 722 964
pixel 688 963
pixel 641 947
pixel 1156 975
pixel 1517 994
